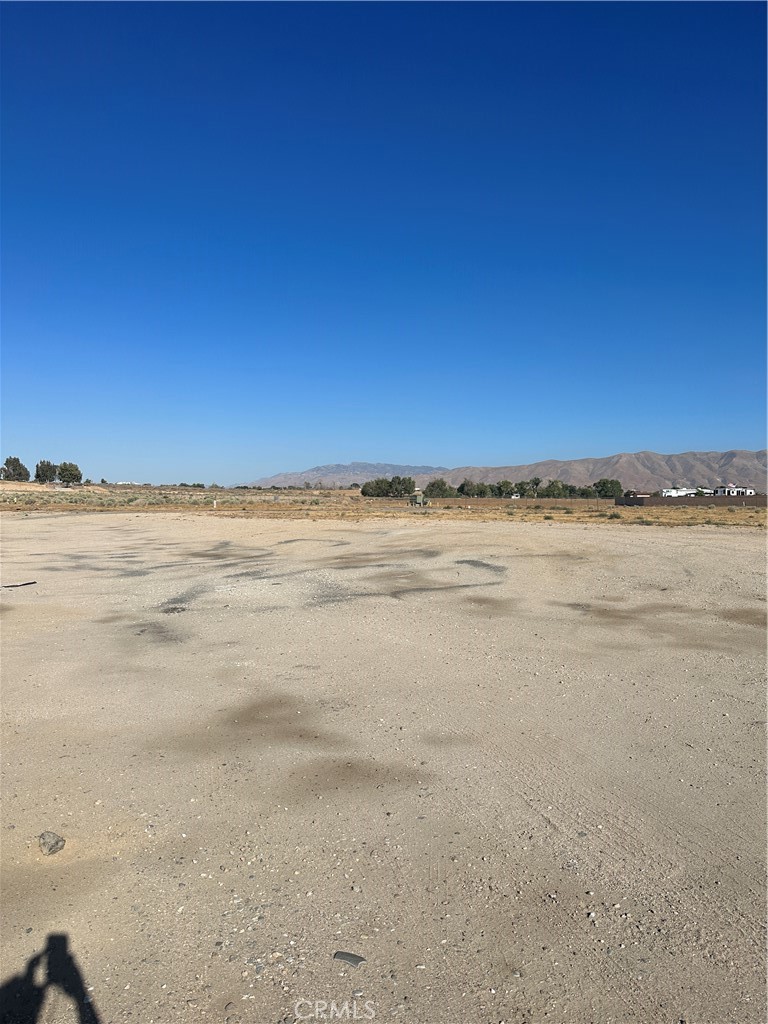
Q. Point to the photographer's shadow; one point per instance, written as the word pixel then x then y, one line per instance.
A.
pixel 22 997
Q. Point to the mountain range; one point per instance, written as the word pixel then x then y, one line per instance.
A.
pixel 639 471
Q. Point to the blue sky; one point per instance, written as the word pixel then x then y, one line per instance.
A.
pixel 239 239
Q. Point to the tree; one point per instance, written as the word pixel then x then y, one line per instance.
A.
pixel 69 473
pixel 606 488
pixel 505 488
pixel 554 489
pixel 535 482
pixel 523 488
pixel 46 472
pixel 378 488
pixel 439 488
pixel 381 487
pixel 470 489
pixel 14 469
pixel 401 486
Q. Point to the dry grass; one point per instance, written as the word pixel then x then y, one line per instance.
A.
pixel 351 505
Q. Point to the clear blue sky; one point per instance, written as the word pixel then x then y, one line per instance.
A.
pixel 239 239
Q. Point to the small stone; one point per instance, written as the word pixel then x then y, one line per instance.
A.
pixel 50 843
pixel 349 958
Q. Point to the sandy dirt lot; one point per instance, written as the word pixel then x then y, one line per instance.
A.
pixel 519 768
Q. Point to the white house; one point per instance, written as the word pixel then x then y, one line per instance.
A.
pixel 731 491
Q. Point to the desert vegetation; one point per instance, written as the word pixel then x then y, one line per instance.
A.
pixel 23 496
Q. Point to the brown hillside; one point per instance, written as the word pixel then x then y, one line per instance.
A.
pixel 639 470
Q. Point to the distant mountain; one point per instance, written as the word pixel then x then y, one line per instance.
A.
pixel 350 473
pixel 639 471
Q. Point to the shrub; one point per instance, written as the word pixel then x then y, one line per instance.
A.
pixel 615 515
pixel 549 517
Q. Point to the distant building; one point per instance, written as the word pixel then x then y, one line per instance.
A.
pixel 731 491
pixel 686 492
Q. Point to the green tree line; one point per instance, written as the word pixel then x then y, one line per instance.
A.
pixel 603 488
pixel 397 487
pixel 402 486
pixel 45 472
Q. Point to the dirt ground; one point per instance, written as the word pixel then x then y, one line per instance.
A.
pixel 351 506
pixel 518 767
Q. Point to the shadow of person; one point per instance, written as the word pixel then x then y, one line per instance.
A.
pixel 21 998
pixel 23 995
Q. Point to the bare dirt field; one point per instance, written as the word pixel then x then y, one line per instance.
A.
pixel 519 767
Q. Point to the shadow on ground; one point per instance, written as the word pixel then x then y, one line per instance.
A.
pixel 22 997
